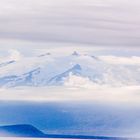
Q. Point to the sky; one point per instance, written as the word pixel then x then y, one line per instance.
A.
pixel 87 22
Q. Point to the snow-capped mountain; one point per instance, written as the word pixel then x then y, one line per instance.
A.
pixel 75 70
pixel 6 63
pixel 60 78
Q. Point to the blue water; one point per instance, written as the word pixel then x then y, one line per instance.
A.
pixel 73 117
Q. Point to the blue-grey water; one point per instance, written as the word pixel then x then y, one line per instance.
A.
pixel 73 117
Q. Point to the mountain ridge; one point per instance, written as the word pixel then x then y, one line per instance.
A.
pixel 53 70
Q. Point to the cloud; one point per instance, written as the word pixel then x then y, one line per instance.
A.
pixel 78 81
pixel 108 22
pixel 133 60
pixel 103 94
pixel 15 55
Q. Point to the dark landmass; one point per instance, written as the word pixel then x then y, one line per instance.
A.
pixel 20 131
pixel 25 130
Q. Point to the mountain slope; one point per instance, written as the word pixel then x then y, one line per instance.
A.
pixel 59 79
pixel 6 63
pixel 50 70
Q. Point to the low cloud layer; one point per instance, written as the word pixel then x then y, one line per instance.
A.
pixel 134 60
pixel 96 93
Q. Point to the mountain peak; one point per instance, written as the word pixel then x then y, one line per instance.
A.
pixel 75 53
pixel 46 54
pixel 77 66
pixel 94 57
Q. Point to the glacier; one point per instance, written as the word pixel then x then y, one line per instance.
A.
pixel 69 70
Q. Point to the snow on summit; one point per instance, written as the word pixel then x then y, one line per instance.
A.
pixel 49 69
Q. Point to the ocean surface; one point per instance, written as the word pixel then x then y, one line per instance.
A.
pixel 74 118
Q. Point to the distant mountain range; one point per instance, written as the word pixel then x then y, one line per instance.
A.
pixel 26 131
pixel 72 70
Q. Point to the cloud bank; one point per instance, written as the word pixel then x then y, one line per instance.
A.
pixel 110 95
pixel 98 22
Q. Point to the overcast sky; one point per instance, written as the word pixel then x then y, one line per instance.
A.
pixel 95 22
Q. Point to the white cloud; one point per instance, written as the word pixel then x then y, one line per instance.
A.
pixel 78 81
pixel 15 55
pixel 103 94
pixel 133 60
